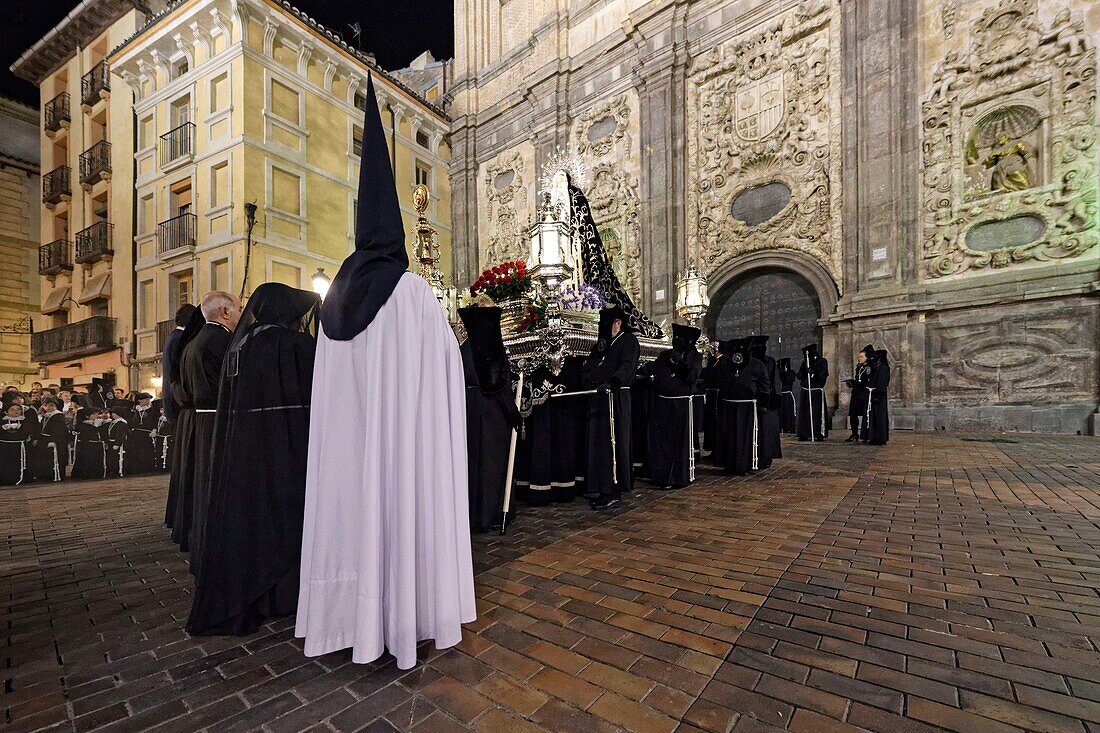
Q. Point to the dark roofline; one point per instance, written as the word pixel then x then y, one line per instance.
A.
pixel 50 52
pixel 322 30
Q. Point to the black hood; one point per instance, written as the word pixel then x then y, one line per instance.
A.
pixel 684 337
pixel 785 366
pixel 758 346
pixel 869 350
pixel 486 346
pixel 738 352
pixel 370 273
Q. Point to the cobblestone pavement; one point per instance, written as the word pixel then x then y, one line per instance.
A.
pixel 946 581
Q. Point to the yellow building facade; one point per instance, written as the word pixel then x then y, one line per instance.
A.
pixel 85 322
pixel 247 108
pixel 212 145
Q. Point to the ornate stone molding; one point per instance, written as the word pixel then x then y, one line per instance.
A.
pixel 599 130
pixel 761 117
pixel 505 182
pixel 1009 144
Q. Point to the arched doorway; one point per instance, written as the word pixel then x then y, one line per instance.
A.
pixel 781 293
pixel 772 301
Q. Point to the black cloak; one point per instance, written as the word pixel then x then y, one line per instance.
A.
pixel 491 414
pixel 813 411
pixel 610 370
pixel 788 400
pixel 744 384
pixel 770 444
pixel 15 466
pixel 252 537
pixel 672 434
pixel 878 428
pixel 858 406
pixel 370 273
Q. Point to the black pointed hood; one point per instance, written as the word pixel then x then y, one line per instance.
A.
pixel 370 273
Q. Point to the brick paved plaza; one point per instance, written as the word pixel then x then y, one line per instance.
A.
pixel 946 581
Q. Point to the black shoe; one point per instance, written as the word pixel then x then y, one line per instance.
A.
pixel 605 502
pixel 852 439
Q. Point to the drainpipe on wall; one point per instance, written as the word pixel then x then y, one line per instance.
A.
pixel 135 367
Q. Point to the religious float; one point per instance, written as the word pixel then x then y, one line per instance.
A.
pixel 550 306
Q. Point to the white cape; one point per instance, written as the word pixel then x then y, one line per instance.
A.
pixel 386 556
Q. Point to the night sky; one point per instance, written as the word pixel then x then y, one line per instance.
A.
pixel 395 31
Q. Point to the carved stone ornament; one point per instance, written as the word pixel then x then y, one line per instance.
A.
pixel 1008 137
pixel 759 113
pixel 612 190
pixel 506 207
pixel 591 134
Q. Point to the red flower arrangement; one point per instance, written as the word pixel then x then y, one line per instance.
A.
pixel 504 281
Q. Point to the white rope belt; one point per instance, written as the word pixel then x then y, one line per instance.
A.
pixel 794 402
pixel 281 407
pixel 755 431
pixel 206 412
pixel 867 417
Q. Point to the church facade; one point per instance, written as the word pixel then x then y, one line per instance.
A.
pixel 917 174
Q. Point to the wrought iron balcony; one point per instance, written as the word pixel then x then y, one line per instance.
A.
pixel 56 186
pixel 94 243
pixel 95 163
pixel 177 145
pixel 91 336
pixel 55 257
pixel 163 329
pixel 95 84
pixel 176 235
pixel 56 113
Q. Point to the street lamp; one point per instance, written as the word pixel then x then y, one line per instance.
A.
pixel 321 282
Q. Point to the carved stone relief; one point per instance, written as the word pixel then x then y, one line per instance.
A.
pixel 605 136
pixel 505 206
pixel 762 116
pixel 1002 356
pixel 1009 144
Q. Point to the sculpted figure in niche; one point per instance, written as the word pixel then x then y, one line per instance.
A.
pixel 1066 35
pixel 1009 162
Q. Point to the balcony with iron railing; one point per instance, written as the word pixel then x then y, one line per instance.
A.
pixel 56 113
pixel 91 336
pixel 95 85
pixel 177 146
pixel 94 243
pixel 176 236
pixel 163 329
pixel 95 163
pixel 56 186
pixel 54 258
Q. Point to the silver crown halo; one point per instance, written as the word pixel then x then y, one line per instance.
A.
pixel 562 160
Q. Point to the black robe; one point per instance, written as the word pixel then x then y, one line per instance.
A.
pixel 788 402
pixel 711 384
pixel 51 447
pixel 611 372
pixel 196 392
pixel 878 432
pixel 251 524
pixel 859 406
pixel 488 437
pixel 91 452
pixel 140 447
pixel 116 434
pixel 672 426
pixel 550 457
pixel 642 396
pixel 738 448
pixel 768 405
pixel 15 466
pixel 811 401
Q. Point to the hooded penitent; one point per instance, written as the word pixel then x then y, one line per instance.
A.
pixel 386 559
pixel 491 413
pixel 370 273
pixel 684 337
pixel 256 492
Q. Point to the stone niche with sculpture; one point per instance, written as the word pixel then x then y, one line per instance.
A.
pixel 506 203
pixel 1009 144
pixel 763 140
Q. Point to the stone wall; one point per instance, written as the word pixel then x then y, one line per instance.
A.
pixel 860 144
